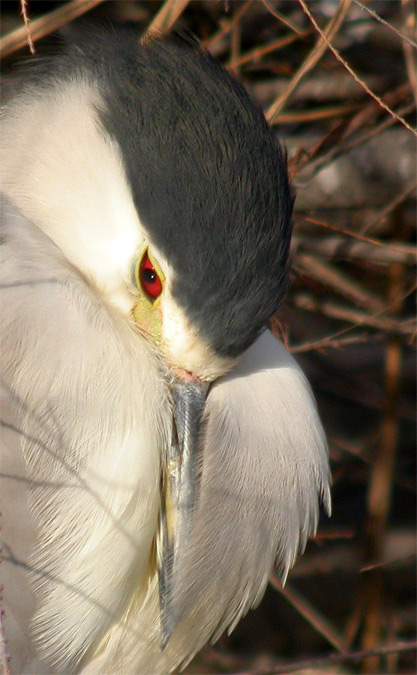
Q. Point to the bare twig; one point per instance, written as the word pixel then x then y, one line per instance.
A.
pixel 26 21
pixel 282 18
pixel 236 44
pixel 45 25
pixel 329 343
pixel 328 339
pixel 343 284
pixel 409 54
pixel 401 249
pixel 333 310
pixel 169 13
pixel 379 18
pixel 304 117
pixel 377 99
pixel 228 26
pixel 345 146
pixel 314 56
pixel 344 248
pixel 355 657
pixel 398 561
pixel 408 190
pixel 310 613
pixel 381 481
pixel 256 54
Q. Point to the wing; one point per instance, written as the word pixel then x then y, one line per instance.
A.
pixel 264 473
pixel 83 396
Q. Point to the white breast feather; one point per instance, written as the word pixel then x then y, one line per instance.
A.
pixel 85 394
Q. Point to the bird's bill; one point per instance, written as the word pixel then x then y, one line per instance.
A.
pixel 180 492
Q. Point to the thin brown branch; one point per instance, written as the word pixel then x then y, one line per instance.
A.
pixel 282 18
pixel 327 39
pixel 398 561
pixel 326 341
pixel 329 343
pixel 334 534
pixel 304 117
pixel 404 194
pixel 343 248
pixel 236 44
pixel 169 13
pixel 310 613
pixel 401 249
pixel 26 22
pixel 45 25
pixel 379 18
pixel 315 165
pixel 228 26
pixel 354 657
pixel 256 54
pixel 381 482
pixel 340 282
pixel 408 44
pixel 358 318
pixel 311 60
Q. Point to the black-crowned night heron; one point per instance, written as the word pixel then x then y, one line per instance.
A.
pixel 146 228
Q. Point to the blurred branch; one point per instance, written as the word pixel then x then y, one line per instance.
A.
pixel 311 60
pixel 304 117
pixel 407 192
pixel 409 10
pixel 329 343
pixel 388 325
pixel 256 54
pixel 25 16
pixel 347 249
pixel 340 282
pixel 315 164
pixel 355 657
pixel 282 18
pixel 379 18
pixel 169 13
pixel 236 39
pixel 45 25
pixel 326 38
pixel 381 482
pixel 228 25
pixel 322 87
pixel 310 613
pixel 394 246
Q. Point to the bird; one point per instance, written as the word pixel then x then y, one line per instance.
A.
pixel 161 449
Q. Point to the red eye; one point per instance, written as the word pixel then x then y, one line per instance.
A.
pixel 149 279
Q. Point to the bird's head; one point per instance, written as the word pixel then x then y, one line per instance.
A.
pixel 158 177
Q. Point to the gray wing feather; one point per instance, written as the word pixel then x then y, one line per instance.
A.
pixel 265 471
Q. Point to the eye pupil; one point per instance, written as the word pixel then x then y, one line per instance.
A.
pixel 149 276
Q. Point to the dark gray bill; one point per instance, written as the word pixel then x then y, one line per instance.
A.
pixel 180 492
